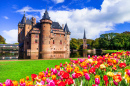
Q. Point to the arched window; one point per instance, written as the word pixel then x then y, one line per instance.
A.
pixel 60 41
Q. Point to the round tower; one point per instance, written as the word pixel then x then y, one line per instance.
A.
pixel 45 32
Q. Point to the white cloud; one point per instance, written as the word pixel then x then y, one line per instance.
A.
pixel 11 36
pixel 5 17
pixel 27 9
pixel 94 21
pixel 58 1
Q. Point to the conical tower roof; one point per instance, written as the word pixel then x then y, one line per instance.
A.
pixel 84 36
pixel 46 16
pixel 66 29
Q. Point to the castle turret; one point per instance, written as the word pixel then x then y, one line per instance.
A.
pixel 84 41
pixel 45 32
pixel 67 34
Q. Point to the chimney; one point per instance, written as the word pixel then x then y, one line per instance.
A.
pixel 62 26
pixel 34 20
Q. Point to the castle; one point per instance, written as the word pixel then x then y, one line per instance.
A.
pixel 45 36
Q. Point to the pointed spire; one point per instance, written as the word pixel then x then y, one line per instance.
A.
pixel 66 29
pixel 84 37
pixel 46 15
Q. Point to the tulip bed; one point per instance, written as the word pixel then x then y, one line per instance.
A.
pixel 106 70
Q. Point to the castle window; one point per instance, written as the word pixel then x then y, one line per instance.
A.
pixel 60 42
pixel 36 41
pixel 36 35
pixel 28 27
pixel 53 42
pixel 60 35
pixel 55 34
pixel 27 43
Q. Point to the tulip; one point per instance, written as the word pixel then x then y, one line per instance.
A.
pixel 60 64
pixel 87 77
pixel 61 84
pixel 94 85
pixel 73 75
pixel 51 83
pixel 42 82
pixel 115 83
pixel 27 77
pixel 48 80
pixel 88 56
pixel 128 72
pixel 1 84
pixel 97 81
pixel 69 81
pixel 58 74
pixel 8 82
pixel 54 71
pixel 46 72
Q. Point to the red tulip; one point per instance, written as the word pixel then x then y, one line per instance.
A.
pixel 122 65
pixel 69 81
pixel 61 84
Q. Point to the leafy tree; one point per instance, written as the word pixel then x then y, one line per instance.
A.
pixel 95 43
pixel 74 43
pixel 2 40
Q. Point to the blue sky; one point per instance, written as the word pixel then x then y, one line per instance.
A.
pixel 95 16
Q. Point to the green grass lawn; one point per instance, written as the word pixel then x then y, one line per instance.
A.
pixel 111 51
pixel 15 70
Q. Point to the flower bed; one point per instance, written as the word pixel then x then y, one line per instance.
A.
pixel 107 70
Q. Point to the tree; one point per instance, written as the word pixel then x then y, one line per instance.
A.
pixel 2 40
pixel 73 43
pixel 95 43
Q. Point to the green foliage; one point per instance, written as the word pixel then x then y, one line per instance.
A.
pixel 108 41
pixel 2 40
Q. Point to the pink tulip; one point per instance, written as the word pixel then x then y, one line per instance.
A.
pixel 87 77
pixel 58 74
pixel 54 71
pixel 60 64
pixel 51 83
pixel 46 72
pixel 47 80
pixel 51 69
pixel 42 82
pixel 88 56
pixel 61 77
pixel 128 72
pixel 81 60
pixel 1 84
pixel 97 81
pixel 47 69
pixel 115 83
pixel 8 82
pixel 73 76
pixel 22 84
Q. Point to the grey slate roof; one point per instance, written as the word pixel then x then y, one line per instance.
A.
pixel 66 29
pixel 56 25
pixel 46 16
pixel 23 20
pixel 84 37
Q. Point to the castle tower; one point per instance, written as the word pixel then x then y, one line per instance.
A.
pixel 45 32
pixel 67 34
pixel 84 41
